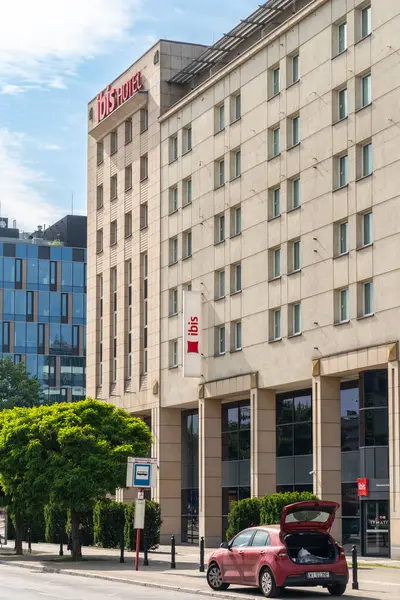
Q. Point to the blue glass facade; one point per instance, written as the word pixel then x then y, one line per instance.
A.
pixel 43 314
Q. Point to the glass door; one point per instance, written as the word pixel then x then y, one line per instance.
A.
pixel 376 515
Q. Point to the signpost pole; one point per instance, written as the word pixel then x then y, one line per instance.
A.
pixel 140 495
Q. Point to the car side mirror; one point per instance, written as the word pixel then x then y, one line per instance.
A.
pixel 225 545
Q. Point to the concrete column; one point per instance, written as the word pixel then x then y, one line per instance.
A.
pixel 327 444
pixel 263 442
pixel 210 472
pixel 394 457
pixel 166 429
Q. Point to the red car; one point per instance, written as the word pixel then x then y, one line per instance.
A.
pixel 299 553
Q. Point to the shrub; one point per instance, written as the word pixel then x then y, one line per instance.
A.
pixel 55 525
pixel 152 525
pixel 108 523
pixel 242 514
pixel 272 506
pixel 87 527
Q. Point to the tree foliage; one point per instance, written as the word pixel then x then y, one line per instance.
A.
pixel 17 388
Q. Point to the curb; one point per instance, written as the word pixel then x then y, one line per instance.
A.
pixel 162 586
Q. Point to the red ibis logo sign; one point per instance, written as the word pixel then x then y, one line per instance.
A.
pixel 112 98
pixel 362 486
pixel 191 334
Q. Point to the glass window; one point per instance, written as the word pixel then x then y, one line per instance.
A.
pixel 221 228
pixel 296 255
pixel 238 107
pixel 55 253
pixel 374 427
pixel 55 338
pixel 243 539
pixel 350 500
pixel 238 335
pixel 302 407
pixel 277 262
pixel 31 365
pixel 20 338
pixel 366 90
pixel 20 250
pixel 18 272
pixel 31 338
pixel 367 159
pixel 296 193
pixel 237 167
pixel 221 340
pixel 343 171
pixel 277 324
pixel 44 274
pixel 295 68
pixel 67 254
pixel 375 388
pixel 261 538
pixel 367 228
pixel 368 298
pixel 294 424
pixel 284 409
pixel 221 172
pixel 9 272
pixel 342 37
pixel 284 440
pixel 20 305
pixel 296 318
pixel 276 142
pixel 295 130
pixel 8 304
pixel 230 417
pixel 343 238
pixel 276 202
pixel 78 277
pixel 78 309
pixel 66 372
pixel 221 117
pixel 66 276
pixel 366 22
pixel 41 337
pixel 55 307
pixel 44 306
pixel 66 339
pixel 342 103
pixel 276 81
pixel 349 416
pixel 302 439
pixel 344 305
pixel 32 274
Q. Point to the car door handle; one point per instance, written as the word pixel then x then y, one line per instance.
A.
pixel 262 552
pixel 241 552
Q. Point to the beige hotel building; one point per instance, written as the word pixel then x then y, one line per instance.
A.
pixel 263 172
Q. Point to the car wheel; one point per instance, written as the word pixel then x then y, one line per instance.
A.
pixel 267 584
pixel 214 578
pixel 338 589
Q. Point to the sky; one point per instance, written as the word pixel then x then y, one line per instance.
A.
pixel 55 55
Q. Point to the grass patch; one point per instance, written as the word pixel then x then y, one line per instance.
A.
pixel 375 565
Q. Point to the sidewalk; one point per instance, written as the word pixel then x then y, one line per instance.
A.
pixel 376 583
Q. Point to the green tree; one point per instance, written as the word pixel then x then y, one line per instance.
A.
pixel 17 388
pixel 73 454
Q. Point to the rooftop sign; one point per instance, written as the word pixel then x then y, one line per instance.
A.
pixel 112 98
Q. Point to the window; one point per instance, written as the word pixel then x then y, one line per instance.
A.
pixel 343 177
pixel 54 269
pixel 236 164
pixel 128 178
pixel 187 244
pixel 173 251
pixel 129 308
pixel 113 187
pixel 173 148
pixel 237 336
pixel 128 131
pixel 236 107
pixel 114 292
pixel 236 274
pixel 219 228
pixel 366 25
pixel 220 284
pixel 144 309
pixel 173 301
pixel 128 224
pixel 296 318
pixel 187 139
pixel 144 167
pixel 113 142
pixel 295 68
pixel 41 338
pixel 368 298
pixel 342 102
pixel 173 199
pixel 275 324
pixel 220 172
pixel 75 339
pixel 100 152
pixel 221 340
pixel 342 37
pixel 236 220
pixel 296 256
pixel 99 240
pixel 276 81
pixel 173 357
pixel 64 308
pixel 18 272
pixel 366 90
pixel 144 120
pixel 144 215
pixel 276 263
pixel 343 305
pixel 294 425
pixel 29 306
pixel 367 229
pixel 113 233
pixel 275 136
pixel 367 159
pixel 187 191
pixel 220 118
pixel 275 203
pixel 343 238
pixel 295 131
pixel 99 196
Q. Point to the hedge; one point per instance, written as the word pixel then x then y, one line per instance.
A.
pixel 152 525
pixel 55 525
pixel 272 506
pixel 108 523
pixel 242 514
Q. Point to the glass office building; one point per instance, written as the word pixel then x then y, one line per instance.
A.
pixel 43 310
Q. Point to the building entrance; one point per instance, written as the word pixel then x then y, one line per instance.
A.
pixel 376 528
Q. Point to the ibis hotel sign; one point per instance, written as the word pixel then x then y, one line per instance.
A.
pixel 112 98
pixel 192 324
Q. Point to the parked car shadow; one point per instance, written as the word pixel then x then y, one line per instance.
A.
pixel 292 593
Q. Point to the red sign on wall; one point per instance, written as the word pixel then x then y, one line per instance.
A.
pixel 362 486
pixel 112 98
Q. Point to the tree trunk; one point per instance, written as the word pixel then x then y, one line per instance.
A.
pixel 19 533
pixel 76 551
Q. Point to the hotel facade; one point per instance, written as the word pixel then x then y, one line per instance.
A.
pixel 256 183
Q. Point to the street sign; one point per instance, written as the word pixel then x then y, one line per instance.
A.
pixel 141 472
pixel 140 507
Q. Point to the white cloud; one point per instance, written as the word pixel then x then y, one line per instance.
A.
pixel 54 36
pixel 52 147
pixel 21 185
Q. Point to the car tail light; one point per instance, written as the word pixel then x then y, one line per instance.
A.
pixel 282 554
pixel 341 550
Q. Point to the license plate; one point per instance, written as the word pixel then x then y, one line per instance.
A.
pixel 318 575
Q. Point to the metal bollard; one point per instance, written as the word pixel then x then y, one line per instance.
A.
pixel 173 563
pixel 61 551
pixel 145 552
pixel 201 566
pixel 122 547
pixel 354 567
pixel 29 541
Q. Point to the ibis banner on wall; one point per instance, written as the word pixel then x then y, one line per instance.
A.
pixel 192 363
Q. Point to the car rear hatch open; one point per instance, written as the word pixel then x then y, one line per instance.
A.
pixel 311 515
